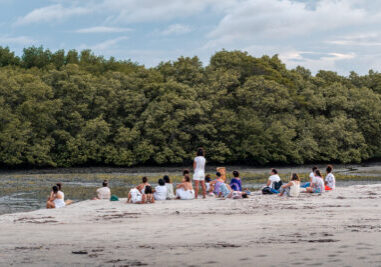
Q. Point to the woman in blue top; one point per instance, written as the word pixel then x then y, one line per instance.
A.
pixel 236 183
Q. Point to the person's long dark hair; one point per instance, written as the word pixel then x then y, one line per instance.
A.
pixel 200 151
pixel 55 189
pixel 148 190
pixel 317 172
pixel 59 186
pixel 295 177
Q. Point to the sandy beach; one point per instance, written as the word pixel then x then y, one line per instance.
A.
pixel 339 228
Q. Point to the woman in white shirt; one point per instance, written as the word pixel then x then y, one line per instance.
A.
pixel 199 172
pixel 103 192
pixel 312 178
pixel 160 192
pixel 56 199
pixel 292 189
pixel 330 180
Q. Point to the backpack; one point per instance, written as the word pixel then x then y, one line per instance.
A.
pixel 277 185
pixel 267 191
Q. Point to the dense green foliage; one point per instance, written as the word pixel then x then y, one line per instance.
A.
pixel 67 109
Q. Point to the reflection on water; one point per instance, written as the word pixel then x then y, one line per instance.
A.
pixel 29 192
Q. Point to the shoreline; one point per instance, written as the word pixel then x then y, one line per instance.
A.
pixel 342 227
pixel 144 170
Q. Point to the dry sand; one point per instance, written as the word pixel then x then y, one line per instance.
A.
pixel 340 228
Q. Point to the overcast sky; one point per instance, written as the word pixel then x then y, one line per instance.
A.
pixel 338 35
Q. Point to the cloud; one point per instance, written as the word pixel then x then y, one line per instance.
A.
pixel 16 40
pixel 103 29
pixel 134 11
pixel 176 29
pixel 105 45
pixel 274 19
pixel 314 60
pixel 51 13
pixel 362 39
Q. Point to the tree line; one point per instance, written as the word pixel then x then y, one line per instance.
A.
pixel 75 108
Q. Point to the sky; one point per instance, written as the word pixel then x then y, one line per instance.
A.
pixel 337 35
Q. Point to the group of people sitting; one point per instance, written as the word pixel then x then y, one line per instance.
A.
pixel 144 193
pixel 316 184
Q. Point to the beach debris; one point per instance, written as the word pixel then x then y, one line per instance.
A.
pixel 80 252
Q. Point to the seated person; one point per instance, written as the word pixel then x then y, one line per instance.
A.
pixel 227 192
pixel 318 185
pixel 185 190
pixel 160 192
pixel 236 183
pixel 292 189
pixel 67 202
pixel 141 187
pixel 312 178
pixel 215 184
pixel 273 183
pixel 148 195
pixel 330 180
pixel 103 192
pixel 169 185
pixel 135 196
pixel 207 182
pixel 56 199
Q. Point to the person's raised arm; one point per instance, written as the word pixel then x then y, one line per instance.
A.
pixel 287 185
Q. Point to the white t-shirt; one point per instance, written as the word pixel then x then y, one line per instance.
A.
pixel 331 181
pixel 160 192
pixel 200 164
pixel 312 177
pixel 136 195
pixel 274 178
pixel 170 193
pixel 207 185
pixel 104 193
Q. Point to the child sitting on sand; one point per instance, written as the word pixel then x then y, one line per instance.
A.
pixel 169 185
pixel 148 195
pixel 292 189
pixel 330 181
pixel 160 192
pixel 185 190
pixel 207 185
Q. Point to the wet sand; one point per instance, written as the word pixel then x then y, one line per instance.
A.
pixel 340 228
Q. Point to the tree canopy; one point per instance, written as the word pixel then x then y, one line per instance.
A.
pixel 75 108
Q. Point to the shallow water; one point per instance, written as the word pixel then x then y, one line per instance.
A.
pixel 28 190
